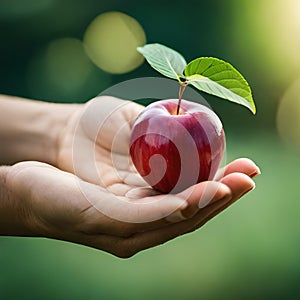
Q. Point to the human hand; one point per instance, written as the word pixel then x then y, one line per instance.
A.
pixel 107 205
pixel 56 204
pixel 94 144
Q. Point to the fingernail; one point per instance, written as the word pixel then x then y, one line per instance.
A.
pixel 255 173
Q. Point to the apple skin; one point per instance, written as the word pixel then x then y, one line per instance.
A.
pixel 172 152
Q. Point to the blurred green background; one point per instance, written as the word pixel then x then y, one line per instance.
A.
pixel 251 251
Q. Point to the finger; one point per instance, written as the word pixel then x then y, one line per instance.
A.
pixel 149 213
pixel 195 199
pixel 203 194
pixel 145 212
pixel 112 214
pixel 125 247
pixel 240 184
pixel 241 165
pixel 145 240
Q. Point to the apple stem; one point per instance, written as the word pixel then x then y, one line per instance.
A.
pixel 181 90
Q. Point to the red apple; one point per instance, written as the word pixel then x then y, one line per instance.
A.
pixel 174 151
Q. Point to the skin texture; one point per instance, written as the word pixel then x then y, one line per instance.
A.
pixel 98 201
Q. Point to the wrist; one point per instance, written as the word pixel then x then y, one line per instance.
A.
pixel 29 130
pixel 13 211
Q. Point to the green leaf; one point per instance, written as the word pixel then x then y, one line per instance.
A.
pixel 219 78
pixel 164 60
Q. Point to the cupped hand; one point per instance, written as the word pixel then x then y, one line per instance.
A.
pixel 96 198
pixel 57 204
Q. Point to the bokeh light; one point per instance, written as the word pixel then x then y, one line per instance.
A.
pixel 111 41
pixel 62 72
pixel 288 116
pixel 268 33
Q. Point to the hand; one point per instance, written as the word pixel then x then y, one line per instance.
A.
pixel 59 205
pixel 94 144
pixel 110 207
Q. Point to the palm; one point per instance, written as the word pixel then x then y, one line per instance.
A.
pixel 94 146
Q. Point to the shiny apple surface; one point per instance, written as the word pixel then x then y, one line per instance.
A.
pixel 172 152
